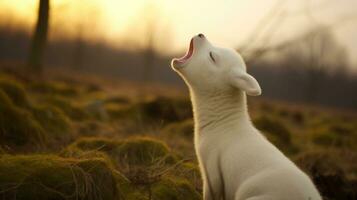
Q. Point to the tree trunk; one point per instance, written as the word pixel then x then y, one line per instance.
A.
pixel 39 38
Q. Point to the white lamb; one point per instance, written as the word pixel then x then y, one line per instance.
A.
pixel 237 162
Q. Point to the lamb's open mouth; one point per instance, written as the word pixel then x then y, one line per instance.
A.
pixel 187 56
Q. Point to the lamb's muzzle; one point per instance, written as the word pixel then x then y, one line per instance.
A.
pixel 179 62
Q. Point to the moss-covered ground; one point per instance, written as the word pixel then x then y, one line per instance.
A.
pixel 79 138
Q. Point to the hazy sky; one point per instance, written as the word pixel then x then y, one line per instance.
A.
pixel 226 22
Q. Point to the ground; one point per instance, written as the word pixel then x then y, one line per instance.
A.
pixel 78 137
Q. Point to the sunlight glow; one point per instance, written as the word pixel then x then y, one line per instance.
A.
pixel 128 23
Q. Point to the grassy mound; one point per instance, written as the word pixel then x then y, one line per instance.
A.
pixel 133 151
pixel 55 123
pixel 117 100
pixel 119 111
pixel 327 174
pixel 146 163
pixel 74 112
pixel 49 177
pixel 144 151
pixel 92 128
pixel 159 110
pixel 276 132
pixel 97 110
pixel 169 188
pixel 17 127
pixel 15 91
pixel 53 88
pixel 337 135
pixel 184 128
pixel 95 143
pixel 191 172
pixel 164 110
pixel 296 116
pixel 174 189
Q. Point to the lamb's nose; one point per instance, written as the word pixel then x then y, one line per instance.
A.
pixel 201 35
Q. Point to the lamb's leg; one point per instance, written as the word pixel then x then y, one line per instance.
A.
pixel 207 193
pixel 212 186
pixel 213 193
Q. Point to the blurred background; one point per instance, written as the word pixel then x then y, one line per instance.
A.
pixel 86 86
pixel 307 46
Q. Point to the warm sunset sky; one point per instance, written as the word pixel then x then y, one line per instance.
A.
pixel 226 22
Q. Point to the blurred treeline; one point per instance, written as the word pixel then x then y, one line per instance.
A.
pixel 311 68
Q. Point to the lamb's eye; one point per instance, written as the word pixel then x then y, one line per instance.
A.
pixel 212 57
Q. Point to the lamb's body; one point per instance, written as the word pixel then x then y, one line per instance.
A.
pixel 236 161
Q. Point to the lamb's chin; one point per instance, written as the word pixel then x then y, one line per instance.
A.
pixel 177 64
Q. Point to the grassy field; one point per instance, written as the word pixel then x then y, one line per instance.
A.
pixel 89 138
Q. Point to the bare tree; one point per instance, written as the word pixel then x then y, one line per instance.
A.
pixel 267 27
pixel 312 55
pixel 39 38
pixel 316 55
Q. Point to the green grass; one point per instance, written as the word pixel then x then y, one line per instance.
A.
pixel 84 141
pixel 53 88
pixel 17 126
pixel 277 132
pixel 15 91
pixel 44 177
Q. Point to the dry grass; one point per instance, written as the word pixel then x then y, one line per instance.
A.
pixel 146 140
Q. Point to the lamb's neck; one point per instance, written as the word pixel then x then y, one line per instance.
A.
pixel 219 110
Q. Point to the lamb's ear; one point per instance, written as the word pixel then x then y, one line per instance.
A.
pixel 245 82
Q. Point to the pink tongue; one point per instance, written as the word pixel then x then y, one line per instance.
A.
pixel 187 55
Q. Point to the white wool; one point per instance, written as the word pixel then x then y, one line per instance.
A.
pixel 237 162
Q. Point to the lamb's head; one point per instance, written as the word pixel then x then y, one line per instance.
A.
pixel 206 67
